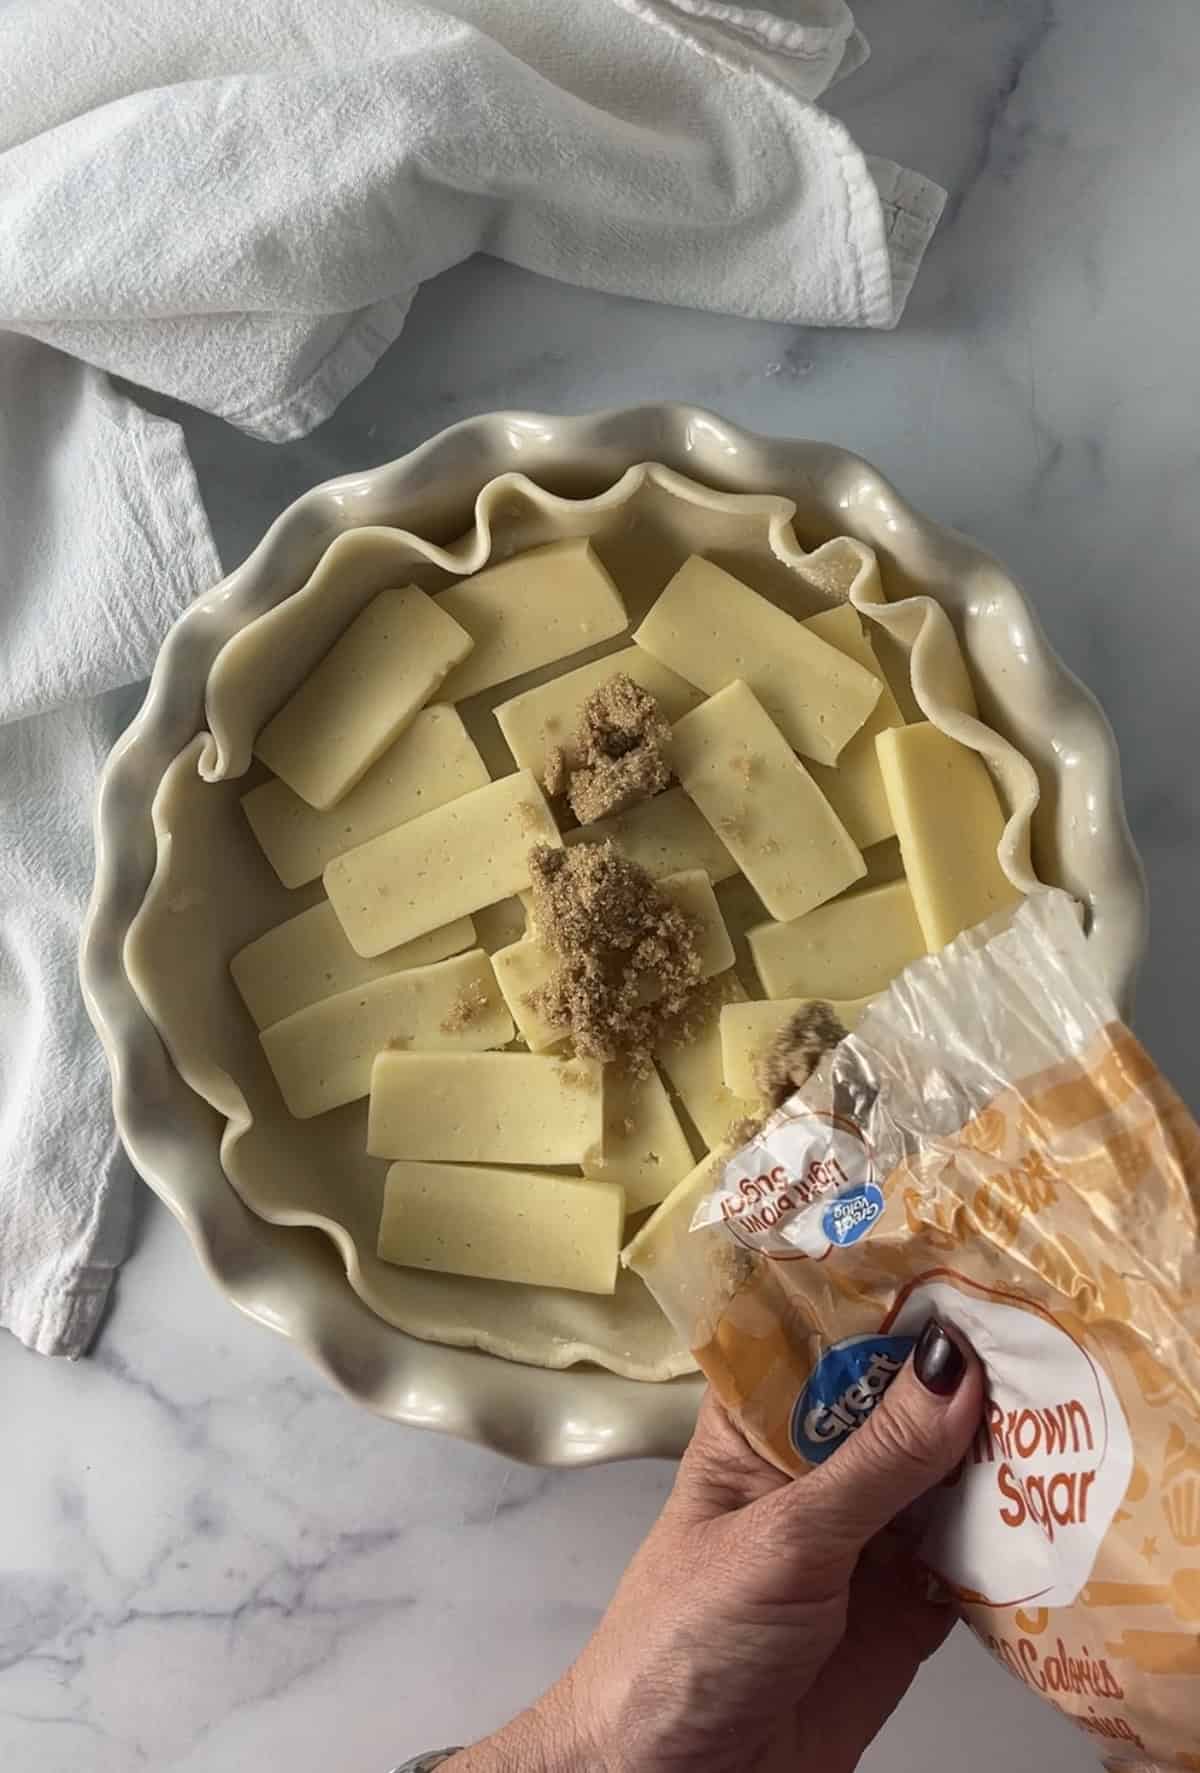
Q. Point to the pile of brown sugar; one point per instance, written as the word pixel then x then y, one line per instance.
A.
pixel 618 755
pixel 627 960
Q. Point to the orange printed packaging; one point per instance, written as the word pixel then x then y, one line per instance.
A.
pixel 992 1145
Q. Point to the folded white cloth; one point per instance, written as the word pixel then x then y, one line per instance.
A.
pixel 104 541
pixel 235 205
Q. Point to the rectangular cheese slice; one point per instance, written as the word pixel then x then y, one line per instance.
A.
pixel 308 958
pixel 432 762
pixel 485 1108
pixel 524 967
pixel 446 864
pixel 691 890
pixel 521 970
pixel 949 821
pixel 692 1062
pixel 735 764
pixel 645 1148
pixel 659 1236
pixel 853 947
pixel 362 695
pixel 663 835
pixel 549 715
pixel 748 1029
pixel 322 1056
pixel 529 611
pixel 503 1225
pixel 711 629
pixel 853 786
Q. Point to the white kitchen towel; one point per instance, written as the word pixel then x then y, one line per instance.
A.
pixel 235 205
pixel 103 541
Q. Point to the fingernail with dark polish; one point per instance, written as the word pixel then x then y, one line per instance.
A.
pixel 938 1360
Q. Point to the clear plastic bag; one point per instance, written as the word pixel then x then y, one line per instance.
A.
pixel 994 1145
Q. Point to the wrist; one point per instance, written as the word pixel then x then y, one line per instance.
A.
pixel 551 1737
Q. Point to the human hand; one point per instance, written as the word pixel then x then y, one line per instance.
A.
pixel 765 1623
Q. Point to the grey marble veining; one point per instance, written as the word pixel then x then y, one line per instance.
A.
pixel 212 1561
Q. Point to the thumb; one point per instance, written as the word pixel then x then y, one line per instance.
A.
pixel 913 1438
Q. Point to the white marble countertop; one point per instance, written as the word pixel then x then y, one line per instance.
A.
pixel 211 1560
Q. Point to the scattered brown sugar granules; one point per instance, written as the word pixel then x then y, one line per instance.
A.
pixel 627 960
pixel 618 753
pixel 556 772
pixel 468 1006
pixel 797 1050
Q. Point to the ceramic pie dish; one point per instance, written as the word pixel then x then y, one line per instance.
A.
pixel 176 888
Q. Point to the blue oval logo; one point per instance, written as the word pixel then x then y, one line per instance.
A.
pixel 848 1382
pixel 851 1214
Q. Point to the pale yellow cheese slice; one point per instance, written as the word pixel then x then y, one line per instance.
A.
pixel 734 763
pixel 748 1030
pixel 692 1062
pixel 504 1225
pixel 529 611
pixel 664 835
pixel 854 786
pixel 308 957
pixel 853 947
pixel 362 695
pixel 485 1108
pixel 547 716
pixel 711 629
pixel 949 821
pixel 446 864
pixel 432 762
pixel 645 1148
pixel 521 971
pixel 656 1238
pixel 322 1055
pixel 691 891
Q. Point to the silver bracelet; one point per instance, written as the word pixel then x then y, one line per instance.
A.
pixel 427 1762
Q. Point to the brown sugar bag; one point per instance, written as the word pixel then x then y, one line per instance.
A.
pixel 992 1145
